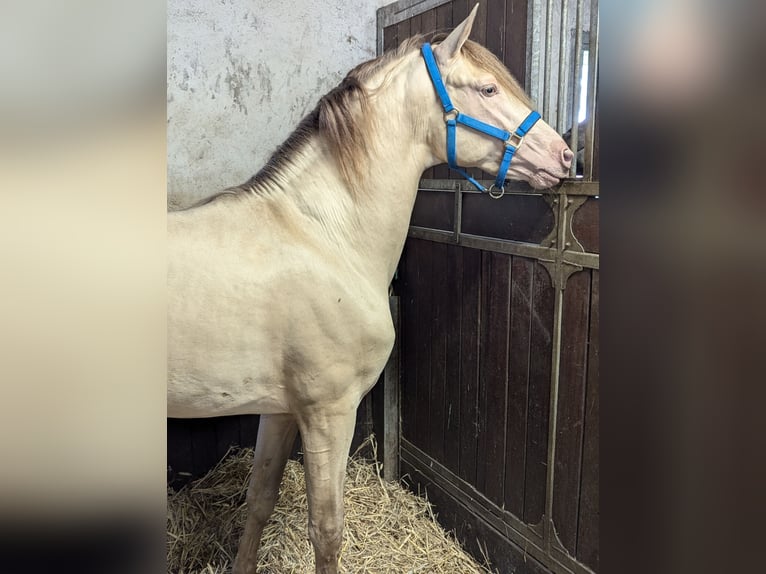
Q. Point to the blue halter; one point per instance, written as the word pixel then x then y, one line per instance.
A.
pixel 452 117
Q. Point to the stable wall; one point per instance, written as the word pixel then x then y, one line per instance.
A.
pixel 242 74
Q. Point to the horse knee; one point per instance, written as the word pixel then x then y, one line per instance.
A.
pixel 326 534
pixel 260 504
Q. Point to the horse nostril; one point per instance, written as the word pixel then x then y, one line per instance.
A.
pixel 567 156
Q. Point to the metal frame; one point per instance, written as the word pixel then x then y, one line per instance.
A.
pixel 560 253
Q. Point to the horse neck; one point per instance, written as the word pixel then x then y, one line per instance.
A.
pixel 367 226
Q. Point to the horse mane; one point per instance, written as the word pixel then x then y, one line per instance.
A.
pixel 342 116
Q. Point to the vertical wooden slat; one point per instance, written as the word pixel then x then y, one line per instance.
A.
pixel 494 383
pixel 540 343
pixel 428 21
pixel 248 430
pixel 409 317
pixel 452 391
pixel 424 315
pixel 402 31
pixel 204 447
pixel 515 51
pixel 227 434
pixel 569 426
pixel 469 362
pixel 438 339
pixel 495 41
pixel 179 445
pixel 587 532
pixel 416 23
pixel 390 38
pixel 518 384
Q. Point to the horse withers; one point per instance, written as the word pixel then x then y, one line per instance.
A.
pixel 278 289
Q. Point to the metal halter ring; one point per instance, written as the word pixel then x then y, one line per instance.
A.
pixel 494 195
pixel 452 111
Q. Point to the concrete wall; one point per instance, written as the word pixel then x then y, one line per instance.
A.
pixel 241 75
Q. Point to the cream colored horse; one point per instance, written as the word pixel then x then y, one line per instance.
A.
pixel 278 290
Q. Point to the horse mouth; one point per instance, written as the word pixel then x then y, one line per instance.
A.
pixel 543 179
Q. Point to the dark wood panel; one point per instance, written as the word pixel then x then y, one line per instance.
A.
pixel 204 445
pixel 227 433
pixel 402 31
pixel 470 341
pixel 434 209
pixel 518 384
pixel 248 429
pixel 179 453
pixel 424 314
pixel 438 339
pixel 496 273
pixel 453 285
pixel 478 537
pixel 409 305
pixel 515 51
pixel 585 225
pixel 569 425
pixel 588 532
pixel 390 38
pixel 518 217
pixel 541 349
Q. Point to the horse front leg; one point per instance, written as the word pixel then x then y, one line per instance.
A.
pixel 276 436
pixel 326 439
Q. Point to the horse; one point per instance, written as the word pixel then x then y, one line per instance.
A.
pixel 278 289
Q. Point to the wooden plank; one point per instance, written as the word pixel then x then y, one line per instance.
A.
pixel 428 22
pixel 585 224
pixel 409 307
pixel 495 40
pixel 227 434
pixel 494 382
pixel 422 288
pixel 515 50
pixel 390 38
pixel 248 430
pixel 452 391
pixel 469 362
pixel 438 339
pixel 402 31
pixel 569 426
pixel 540 344
pixel 179 451
pixel 204 445
pixel 587 531
pixel 477 536
pixel 518 384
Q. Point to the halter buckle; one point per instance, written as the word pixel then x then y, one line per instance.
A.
pixel 514 140
pixel 496 189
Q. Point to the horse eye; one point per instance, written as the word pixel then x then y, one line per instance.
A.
pixel 489 90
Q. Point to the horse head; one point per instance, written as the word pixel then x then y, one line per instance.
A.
pixel 481 88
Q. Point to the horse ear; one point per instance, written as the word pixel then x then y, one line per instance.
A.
pixel 449 49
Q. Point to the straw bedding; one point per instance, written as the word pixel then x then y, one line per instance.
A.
pixel 387 528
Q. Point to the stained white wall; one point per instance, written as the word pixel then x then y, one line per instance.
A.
pixel 241 75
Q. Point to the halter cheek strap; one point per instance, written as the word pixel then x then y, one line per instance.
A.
pixel 453 117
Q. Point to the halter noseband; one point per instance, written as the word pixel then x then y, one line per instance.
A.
pixel 452 117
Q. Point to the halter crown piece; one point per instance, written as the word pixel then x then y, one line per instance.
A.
pixel 453 117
